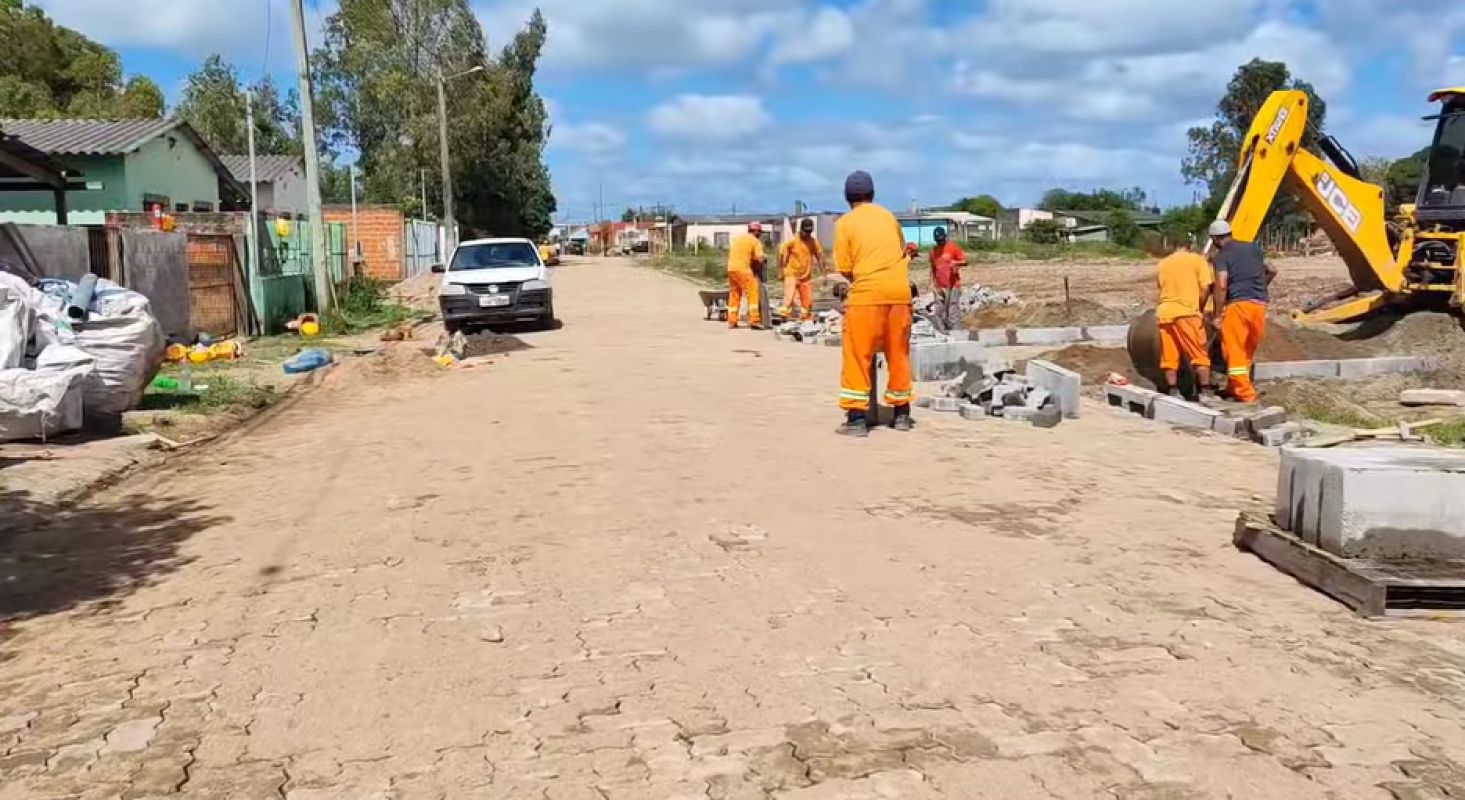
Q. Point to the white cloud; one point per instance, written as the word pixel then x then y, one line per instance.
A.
pixel 195 28
pixel 710 118
pixel 642 34
pixel 1067 28
pixel 591 138
pixel 829 32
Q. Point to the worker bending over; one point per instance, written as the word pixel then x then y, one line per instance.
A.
pixel 797 259
pixel 946 262
pixel 744 263
pixel 1242 281
pixel 1184 279
pixel 869 250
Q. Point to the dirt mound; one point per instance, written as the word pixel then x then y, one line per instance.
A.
pixel 1093 364
pixel 396 361
pixel 1285 340
pixel 1420 333
pixel 418 293
pixel 1047 315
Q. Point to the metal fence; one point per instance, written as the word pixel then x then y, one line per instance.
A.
pixel 420 241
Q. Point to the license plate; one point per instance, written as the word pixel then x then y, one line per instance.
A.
pixel 493 301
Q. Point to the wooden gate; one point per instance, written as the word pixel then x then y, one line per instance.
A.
pixel 211 268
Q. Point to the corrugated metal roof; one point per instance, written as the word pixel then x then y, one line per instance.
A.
pixel 87 137
pixel 266 168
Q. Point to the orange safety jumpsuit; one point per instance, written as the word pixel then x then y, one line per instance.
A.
pixel 741 282
pixel 1184 280
pixel 869 249
pixel 1242 326
pixel 798 257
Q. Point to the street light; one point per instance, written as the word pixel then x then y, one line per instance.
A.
pixel 450 223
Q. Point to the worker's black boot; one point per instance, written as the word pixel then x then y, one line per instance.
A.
pixel 903 421
pixel 854 425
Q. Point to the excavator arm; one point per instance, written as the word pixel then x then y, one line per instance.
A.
pixel 1350 210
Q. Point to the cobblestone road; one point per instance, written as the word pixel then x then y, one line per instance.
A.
pixel 630 561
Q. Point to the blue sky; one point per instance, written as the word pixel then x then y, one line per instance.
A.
pixel 713 104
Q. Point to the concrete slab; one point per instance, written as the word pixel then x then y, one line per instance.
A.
pixel 1269 417
pixel 1177 412
pixel 945 405
pixel 1432 397
pixel 1354 368
pixel 996 337
pixel 973 412
pixel 1107 333
pixel 1134 399
pixel 1375 502
pixel 1232 427
pixel 1047 335
pixel 1278 370
pixel 944 360
pixel 1019 413
pixel 1048 417
pixel 1064 384
pixel 1284 434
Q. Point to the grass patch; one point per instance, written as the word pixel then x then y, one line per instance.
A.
pixel 1034 251
pixel 1450 434
pixel 708 268
pixel 365 307
pixel 222 394
pixel 1334 414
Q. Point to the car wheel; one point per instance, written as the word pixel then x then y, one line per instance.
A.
pixel 548 321
pixel 452 327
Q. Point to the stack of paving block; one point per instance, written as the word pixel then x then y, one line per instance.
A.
pixel 1044 396
pixel 1267 426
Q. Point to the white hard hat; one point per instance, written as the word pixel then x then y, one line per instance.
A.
pixel 1220 228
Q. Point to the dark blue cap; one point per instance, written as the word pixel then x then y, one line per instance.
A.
pixel 859 184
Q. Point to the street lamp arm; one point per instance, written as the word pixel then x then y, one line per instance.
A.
pixel 456 75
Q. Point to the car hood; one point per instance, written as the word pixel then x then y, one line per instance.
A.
pixel 474 277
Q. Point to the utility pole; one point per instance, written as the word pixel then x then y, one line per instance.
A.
pixel 424 194
pixel 450 223
pixel 355 228
pixel 323 293
pixel 253 239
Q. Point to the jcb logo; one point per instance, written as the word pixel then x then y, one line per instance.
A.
pixel 1277 124
pixel 1338 201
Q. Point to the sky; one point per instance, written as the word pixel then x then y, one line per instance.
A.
pixel 715 105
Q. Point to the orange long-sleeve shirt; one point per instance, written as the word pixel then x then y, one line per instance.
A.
pixel 869 249
pixel 745 250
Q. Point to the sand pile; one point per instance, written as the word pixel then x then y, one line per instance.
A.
pixel 418 293
pixel 1047 315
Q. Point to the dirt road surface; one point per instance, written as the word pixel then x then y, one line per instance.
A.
pixel 631 560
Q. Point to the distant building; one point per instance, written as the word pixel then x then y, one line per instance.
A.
pixel 129 165
pixel 281 182
pixel 718 230
pixel 959 225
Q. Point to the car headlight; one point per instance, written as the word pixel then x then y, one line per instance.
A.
pixel 454 289
pixel 535 285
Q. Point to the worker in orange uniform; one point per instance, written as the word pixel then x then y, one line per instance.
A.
pixel 798 258
pixel 946 262
pixel 1243 278
pixel 869 250
pixel 744 262
pixel 1184 278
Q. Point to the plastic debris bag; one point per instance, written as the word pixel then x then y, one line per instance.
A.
pixel 17 318
pixel 48 400
pixel 120 332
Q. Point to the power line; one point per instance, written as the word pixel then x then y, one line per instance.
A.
pixel 264 67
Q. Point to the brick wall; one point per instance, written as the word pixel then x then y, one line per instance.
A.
pixel 379 228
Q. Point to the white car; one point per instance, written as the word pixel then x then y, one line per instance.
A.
pixel 494 281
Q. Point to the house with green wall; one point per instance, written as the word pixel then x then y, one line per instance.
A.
pixel 126 165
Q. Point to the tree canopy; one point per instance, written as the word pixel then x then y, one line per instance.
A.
pixel 1132 199
pixel 983 205
pixel 214 104
pixel 378 70
pixel 1215 149
pixel 49 71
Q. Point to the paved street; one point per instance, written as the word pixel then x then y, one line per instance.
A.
pixel 631 560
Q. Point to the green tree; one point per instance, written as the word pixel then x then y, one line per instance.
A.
pixel 214 104
pixel 1402 179
pixel 378 70
pixel 983 205
pixel 1099 200
pixel 1043 231
pixel 1185 222
pixel 47 70
pixel 1123 230
pixel 1215 149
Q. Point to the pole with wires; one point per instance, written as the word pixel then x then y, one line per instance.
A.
pixel 253 238
pixel 323 286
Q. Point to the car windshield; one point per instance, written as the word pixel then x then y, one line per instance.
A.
pixel 499 255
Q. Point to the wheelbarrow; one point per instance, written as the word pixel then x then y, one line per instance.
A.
pixel 714 303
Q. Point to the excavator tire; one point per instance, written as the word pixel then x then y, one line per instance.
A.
pixel 1144 353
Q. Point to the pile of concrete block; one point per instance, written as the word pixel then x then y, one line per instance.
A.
pixel 1383 503
pixel 1267 426
pixel 973 298
pixel 1044 396
pixel 826 328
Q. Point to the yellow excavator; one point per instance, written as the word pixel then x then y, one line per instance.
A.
pixel 1418 256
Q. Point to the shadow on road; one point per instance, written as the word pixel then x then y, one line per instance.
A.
pixel 54 558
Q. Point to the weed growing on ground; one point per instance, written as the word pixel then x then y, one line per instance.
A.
pixel 364 306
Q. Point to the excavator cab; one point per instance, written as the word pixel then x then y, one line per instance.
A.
pixel 1441 200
